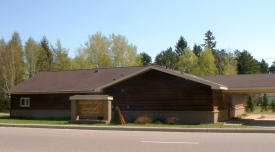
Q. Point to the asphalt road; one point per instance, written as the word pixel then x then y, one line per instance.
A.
pixel 68 140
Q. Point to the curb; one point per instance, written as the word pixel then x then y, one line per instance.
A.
pixel 159 129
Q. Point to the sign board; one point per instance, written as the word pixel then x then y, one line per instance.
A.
pixel 90 108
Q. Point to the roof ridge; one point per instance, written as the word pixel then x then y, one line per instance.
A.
pixel 239 75
pixel 98 68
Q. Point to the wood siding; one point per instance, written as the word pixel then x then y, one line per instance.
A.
pixel 42 101
pixel 158 91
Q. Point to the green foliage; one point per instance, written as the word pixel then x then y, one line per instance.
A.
pixel 61 61
pixel 247 64
pixel 272 105
pixel 167 58
pixel 229 65
pixel 31 55
pixel 206 63
pixel 272 67
pixel 145 59
pixel 45 56
pixel 264 67
pixel 265 103
pixel 188 62
pixel 4 104
pixel 209 40
pixel 250 105
pixel 180 46
pixel 197 50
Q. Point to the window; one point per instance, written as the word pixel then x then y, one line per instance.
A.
pixel 24 102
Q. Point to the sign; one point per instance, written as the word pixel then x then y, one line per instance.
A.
pixel 90 108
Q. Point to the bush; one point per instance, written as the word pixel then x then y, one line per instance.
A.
pixel 173 120
pixel 118 117
pixel 265 103
pixel 272 105
pixel 4 104
pixel 143 120
pixel 250 105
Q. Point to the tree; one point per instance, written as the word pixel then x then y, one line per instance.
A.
pixel 206 63
pixel 167 58
pixel 264 67
pixel 188 62
pixel 180 46
pixel 45 56
pixel 265 103
pixel 124 54
pixel 98 50
pixel 197 50
pixel 250 105
pixel 31 54
pixel 272 67
pixel 81 61
pixel 272 105
pixel 229 65
pixel 145 59
pixel 246 63
pixel 12 67
pixel 209 40
pixel 61 61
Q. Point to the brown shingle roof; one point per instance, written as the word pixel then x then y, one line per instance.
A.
pixel 72 81
pixel 244 81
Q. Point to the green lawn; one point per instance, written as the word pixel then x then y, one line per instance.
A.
pixel 7 119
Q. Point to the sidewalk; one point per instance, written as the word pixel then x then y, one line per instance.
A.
pixel 161 129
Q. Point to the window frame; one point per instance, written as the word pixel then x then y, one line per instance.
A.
pixel 25 102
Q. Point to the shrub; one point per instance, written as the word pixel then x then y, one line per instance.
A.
pixel 250 105
pixel 118 117
pixel 4 104
pixel 159 120
pixel 143 120
pixel 265 103
pixel 173 120
pixel 272 105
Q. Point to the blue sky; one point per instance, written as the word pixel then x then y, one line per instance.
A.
pixel 151 25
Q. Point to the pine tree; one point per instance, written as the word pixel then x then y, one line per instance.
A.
pixel 265 103
pixel 264 67
pixel 209 40
pixel 272 67
pixel 167 58
pixel 246 63
pixel 145 59
pixel 45 56
pixel 250 105
pixel 180 46
pixel 272 105
pixel 197 50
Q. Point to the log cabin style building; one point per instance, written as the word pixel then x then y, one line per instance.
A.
pixel 153 91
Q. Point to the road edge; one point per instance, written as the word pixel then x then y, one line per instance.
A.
pixel 159 129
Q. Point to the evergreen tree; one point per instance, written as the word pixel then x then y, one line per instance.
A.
pixel 264 67
pixel 197 50
pixel 209 40
pixel 45 56
pixel 145 59
pixel 265 103
pixel 246 63
pixel 272 67
pixel 180 46
pixel 250 105
pixel 272 105
pixel 206 63
pixel 167 58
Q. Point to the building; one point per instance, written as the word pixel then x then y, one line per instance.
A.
pixel 143 90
